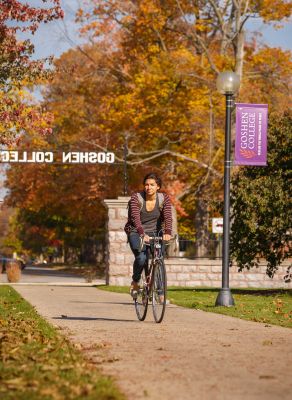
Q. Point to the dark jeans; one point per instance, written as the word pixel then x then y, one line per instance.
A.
pixel 141 257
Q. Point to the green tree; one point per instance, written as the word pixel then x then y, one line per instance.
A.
pixel 261 203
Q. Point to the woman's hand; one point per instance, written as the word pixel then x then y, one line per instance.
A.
pixel 146 239
pixel 166 237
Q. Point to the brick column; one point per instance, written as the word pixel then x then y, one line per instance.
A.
pixel 119 258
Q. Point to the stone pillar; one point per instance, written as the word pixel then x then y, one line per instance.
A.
pixel 174 245
pixel 119 259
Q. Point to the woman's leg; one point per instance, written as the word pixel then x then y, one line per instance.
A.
pixel 140 256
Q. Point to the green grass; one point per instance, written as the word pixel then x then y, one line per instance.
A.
pixel 270 306
pixel 37 363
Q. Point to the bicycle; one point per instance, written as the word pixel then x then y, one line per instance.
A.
pixel 153 284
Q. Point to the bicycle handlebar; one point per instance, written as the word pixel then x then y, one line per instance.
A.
pixel 152 239
pixel 160 238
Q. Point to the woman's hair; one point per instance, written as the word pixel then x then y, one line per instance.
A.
pixel 152 175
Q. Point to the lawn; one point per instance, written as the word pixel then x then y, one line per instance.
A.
pixel 37 363
pixel 270 306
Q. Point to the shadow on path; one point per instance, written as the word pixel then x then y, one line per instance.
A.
pixel 95 319
pixel 53 273
pixel 102 302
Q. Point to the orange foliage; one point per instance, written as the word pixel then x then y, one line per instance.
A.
pixel 147 75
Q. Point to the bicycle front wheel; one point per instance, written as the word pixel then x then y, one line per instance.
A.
pixel 159 291
pixel 141 301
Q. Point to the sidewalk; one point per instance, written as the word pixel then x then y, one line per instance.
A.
pixel 192 355
pixel 39 276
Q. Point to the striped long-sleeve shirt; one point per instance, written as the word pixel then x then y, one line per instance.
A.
pixel 134 219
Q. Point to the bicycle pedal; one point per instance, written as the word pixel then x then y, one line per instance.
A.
pixel 134 294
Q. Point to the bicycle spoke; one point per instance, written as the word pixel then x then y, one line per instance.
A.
pixel 141 302
pixel 159 291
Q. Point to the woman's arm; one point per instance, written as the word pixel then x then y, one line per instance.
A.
pixel 135 213
pixel 167 215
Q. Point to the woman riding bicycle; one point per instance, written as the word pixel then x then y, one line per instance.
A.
pixel 149 212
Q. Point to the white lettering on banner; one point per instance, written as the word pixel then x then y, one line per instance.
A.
pixel 251 131
pixel 260 135
pixel 247 130
pixel 71 157
pixel 244 130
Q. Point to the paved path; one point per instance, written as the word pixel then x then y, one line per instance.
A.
pixel 45 275
pixel 191 355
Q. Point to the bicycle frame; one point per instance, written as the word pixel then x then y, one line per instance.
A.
pixel 154 284
pixel 156 251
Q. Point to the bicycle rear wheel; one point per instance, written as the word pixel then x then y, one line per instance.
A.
pixel 141 302
pixel 159 291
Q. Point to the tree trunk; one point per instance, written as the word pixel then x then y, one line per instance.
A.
pixel 239 53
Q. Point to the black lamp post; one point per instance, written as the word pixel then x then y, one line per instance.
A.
pixel 125 166
pixel 227 83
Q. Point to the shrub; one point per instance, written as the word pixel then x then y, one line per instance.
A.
pixel 13 271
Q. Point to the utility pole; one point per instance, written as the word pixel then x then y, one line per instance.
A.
pixel 125 166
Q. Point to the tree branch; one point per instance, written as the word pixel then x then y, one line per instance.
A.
pixel 218 14
pixel 158 153
pixel 197 38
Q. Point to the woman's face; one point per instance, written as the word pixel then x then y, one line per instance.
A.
pixel 151 187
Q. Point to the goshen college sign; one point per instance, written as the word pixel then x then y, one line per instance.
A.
pixel 70 157
pixel 251 134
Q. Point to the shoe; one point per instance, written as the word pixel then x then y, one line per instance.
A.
pixel 134 293
pixel 134 290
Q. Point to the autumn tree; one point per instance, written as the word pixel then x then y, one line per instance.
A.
pixel 166 56
pixel 18 70
pixel 147 76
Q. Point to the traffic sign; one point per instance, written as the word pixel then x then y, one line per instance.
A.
pixel 217 225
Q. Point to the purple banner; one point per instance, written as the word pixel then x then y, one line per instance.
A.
pixel 251 134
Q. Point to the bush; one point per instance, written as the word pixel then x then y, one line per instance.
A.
pixel 13 271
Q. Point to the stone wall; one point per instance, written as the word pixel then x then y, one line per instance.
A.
pixel 205 272
pixel 180 271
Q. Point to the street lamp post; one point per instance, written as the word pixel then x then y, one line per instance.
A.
pixel 227 83
pixel 125 166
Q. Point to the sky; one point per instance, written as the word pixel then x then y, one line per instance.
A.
pixel 56 37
